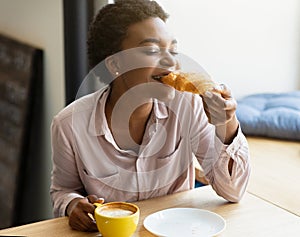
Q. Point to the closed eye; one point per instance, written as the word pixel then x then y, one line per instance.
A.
pixel 150 50
pixel 174 53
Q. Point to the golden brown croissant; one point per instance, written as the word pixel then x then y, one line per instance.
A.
pixel 190 82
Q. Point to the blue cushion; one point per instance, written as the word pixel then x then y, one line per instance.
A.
pixel 271 114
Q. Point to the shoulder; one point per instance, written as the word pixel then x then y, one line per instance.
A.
pixel 81 107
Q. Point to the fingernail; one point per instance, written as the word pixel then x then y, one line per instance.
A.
pixel 100 200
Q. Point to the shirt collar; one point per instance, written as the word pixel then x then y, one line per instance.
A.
pixel 160 109
pixel 98 124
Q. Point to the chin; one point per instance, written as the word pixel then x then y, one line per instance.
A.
pixel 165 94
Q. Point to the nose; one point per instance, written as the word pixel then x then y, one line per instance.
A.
pixel 168 60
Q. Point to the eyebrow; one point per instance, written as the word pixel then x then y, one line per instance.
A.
pixel 154 40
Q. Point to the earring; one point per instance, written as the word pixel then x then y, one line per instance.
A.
pixel 117 73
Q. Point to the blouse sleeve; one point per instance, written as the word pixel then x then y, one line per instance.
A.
pixel 214 157
pixel 65 181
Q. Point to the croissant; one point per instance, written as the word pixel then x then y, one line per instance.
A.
pixel 189 82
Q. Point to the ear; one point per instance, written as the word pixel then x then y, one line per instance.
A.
pixel 112 64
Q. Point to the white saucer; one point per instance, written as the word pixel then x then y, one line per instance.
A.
pixel 187 222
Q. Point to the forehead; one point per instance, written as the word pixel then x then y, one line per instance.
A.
pixel 152 28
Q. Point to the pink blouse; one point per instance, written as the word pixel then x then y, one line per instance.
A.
pixel 87 160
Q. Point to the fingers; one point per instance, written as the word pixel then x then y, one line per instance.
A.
pixel 219 107
pixel 224 91
pixel 230 104
pixel 79 217
pixel 86 206
pixel 79 220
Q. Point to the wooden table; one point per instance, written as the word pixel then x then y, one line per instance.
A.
pixel 251 217
pixel 276 172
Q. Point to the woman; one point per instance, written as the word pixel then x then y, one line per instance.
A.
pixel 135 138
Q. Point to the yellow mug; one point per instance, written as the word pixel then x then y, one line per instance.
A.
pixel 116 219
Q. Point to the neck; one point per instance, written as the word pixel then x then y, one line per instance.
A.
pixel 127 117
pixel 128 102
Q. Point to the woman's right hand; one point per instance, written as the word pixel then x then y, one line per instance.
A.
pixel 78 211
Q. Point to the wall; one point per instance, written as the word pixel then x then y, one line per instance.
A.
pixel 98 4
pixel 40 23
pixel 251 45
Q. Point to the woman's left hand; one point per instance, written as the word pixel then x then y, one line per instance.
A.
pixel 220 107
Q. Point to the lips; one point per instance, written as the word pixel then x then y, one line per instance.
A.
pixel 158 77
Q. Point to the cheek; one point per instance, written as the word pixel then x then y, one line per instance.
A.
pixel 137 61
pixel 138 76
pixel 143 74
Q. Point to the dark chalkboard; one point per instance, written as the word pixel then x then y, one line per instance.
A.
pixel 20 71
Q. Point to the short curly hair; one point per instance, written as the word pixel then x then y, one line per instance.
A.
pixel 109 27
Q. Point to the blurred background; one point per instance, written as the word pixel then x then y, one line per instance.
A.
pixel 252 46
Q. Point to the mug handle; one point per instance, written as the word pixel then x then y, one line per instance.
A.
pixel 97 204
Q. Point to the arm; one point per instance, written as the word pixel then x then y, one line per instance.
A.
pixel 229 173
pixel 221 148
pixel 67 191
pixel 65 181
